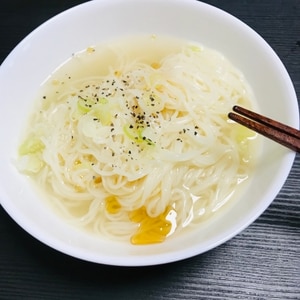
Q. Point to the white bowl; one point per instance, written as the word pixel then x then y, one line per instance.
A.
pixel 22 73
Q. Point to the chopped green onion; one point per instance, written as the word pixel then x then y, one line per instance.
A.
pixel 31 145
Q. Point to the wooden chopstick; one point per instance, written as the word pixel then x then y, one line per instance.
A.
pixel 278 132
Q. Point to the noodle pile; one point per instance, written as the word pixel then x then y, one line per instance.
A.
pixel 145 149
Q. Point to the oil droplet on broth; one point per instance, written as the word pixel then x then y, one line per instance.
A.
pixel 152 229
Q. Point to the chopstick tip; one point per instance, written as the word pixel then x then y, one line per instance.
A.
pixel 235 108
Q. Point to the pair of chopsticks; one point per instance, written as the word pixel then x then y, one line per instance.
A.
pixel 278 132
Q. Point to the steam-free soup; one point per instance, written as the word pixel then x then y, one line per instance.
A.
pixel 132 141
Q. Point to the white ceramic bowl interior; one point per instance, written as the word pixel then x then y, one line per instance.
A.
pixel 28 65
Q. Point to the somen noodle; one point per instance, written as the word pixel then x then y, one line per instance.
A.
pixel 144 147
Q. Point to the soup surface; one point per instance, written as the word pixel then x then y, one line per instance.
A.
pixel 131 139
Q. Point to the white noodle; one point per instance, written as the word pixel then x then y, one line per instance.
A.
pixel 190 158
